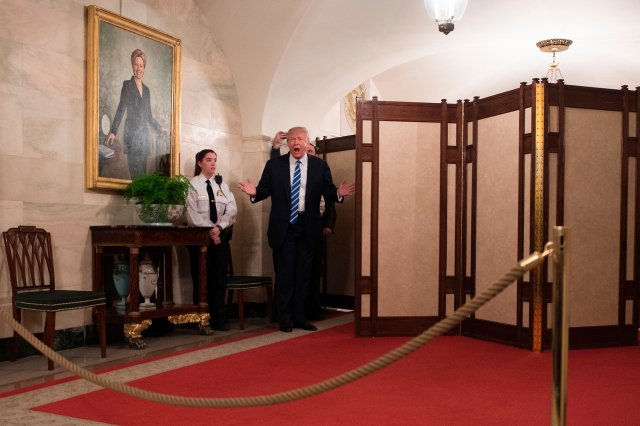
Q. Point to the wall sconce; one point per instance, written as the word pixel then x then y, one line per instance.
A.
pixel 445 12
pixel 554 45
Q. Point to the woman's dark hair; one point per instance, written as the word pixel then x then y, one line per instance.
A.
pixel 199 157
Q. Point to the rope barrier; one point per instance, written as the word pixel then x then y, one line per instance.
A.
pixel 383 361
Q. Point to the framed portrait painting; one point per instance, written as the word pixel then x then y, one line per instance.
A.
pixel 133 101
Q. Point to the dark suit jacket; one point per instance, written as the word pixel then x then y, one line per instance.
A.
pixel 139 117
pixel 329 217
pixel 276 183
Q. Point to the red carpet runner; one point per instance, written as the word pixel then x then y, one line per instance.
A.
pixel 454 380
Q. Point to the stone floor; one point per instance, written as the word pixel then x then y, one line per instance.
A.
pixel 32 371
pixel 29 371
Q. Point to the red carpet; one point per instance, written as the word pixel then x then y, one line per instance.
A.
pixel 129 364
pixel 454 380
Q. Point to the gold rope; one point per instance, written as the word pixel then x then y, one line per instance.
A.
pixel 385 360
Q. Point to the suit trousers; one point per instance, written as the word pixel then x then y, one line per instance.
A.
pixel 292 263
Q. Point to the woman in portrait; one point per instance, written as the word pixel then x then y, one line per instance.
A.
pixel 135 100
pixel 211 203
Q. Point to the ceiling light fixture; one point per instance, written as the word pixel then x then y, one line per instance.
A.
pixel 554 45
pixel 445 12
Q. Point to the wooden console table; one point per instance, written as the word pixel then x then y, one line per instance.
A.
pixel 131 239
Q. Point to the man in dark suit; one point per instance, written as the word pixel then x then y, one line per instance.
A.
pixel 295 182
pixel 329 216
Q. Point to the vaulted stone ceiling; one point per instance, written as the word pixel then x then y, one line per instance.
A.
pixel 292 60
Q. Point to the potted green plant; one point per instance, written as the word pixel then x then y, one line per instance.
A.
pixel 159 198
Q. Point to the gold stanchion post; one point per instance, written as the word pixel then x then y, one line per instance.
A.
pixel 560 336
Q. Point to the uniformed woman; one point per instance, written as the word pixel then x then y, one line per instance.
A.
pixel 210 203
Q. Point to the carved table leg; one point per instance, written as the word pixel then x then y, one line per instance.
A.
pixel 202 319
pixel 133 334
pixel 203 325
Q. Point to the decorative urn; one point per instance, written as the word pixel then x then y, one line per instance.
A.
pixel 148 282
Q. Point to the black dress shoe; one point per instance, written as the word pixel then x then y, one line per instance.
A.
pixel 286 328
pixel 305 326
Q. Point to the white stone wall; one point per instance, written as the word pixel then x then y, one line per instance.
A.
pixel 42 133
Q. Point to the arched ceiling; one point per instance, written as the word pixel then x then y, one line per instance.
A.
pixel 293 60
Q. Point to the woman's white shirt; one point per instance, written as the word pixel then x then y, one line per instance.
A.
pixel 198 203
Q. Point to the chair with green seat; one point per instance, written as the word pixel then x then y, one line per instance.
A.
pixel 33 285
pixel 239 283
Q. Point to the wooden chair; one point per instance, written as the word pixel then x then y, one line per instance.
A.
pixel 239 283
pixel 33 285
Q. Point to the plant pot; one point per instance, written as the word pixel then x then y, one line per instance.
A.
pixel 160 214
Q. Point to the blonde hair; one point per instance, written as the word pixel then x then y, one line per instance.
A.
pixel 139 54
pixel 300 129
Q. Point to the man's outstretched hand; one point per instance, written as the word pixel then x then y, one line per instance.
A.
pixel 247 187
pixel 346 189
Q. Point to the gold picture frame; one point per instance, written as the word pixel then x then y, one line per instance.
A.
pixel 349 107
pixel 133 114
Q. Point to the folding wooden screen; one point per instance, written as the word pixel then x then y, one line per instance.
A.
pixel 339 272
pixel 450 196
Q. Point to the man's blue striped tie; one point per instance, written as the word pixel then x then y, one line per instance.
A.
pixel 295 194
